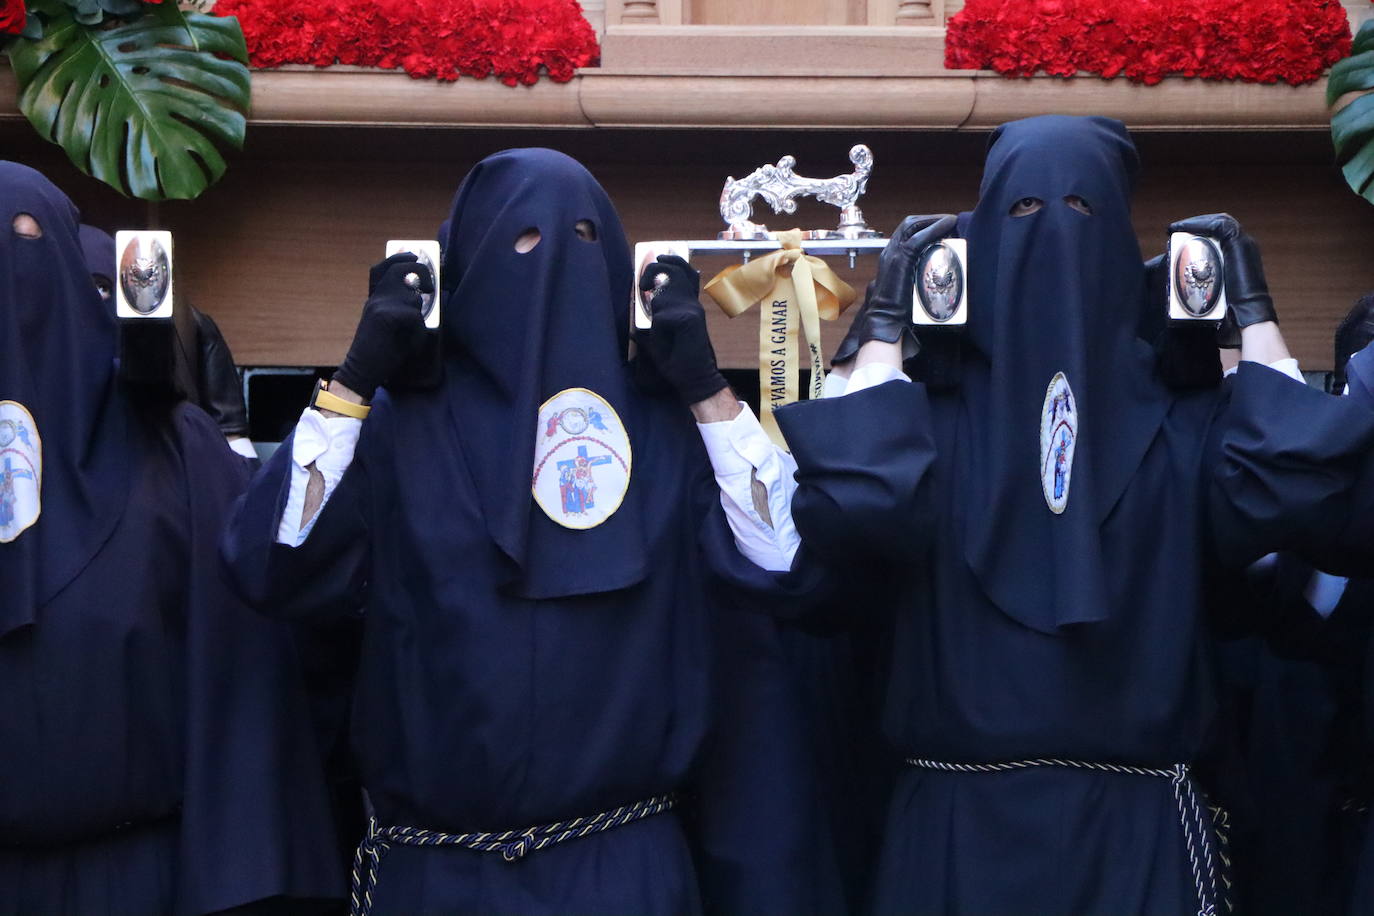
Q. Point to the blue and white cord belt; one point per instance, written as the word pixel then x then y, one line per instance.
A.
pixel 513 845
pixel 1209 869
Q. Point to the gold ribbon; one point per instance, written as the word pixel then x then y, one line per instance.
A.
pixel 790 282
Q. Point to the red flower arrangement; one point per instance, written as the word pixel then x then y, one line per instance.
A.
pixel 12 17
pixel 513 40
pixel 1261 41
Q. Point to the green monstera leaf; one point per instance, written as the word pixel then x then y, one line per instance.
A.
pixel 1352 128
pixel 143 106
pixel 92 12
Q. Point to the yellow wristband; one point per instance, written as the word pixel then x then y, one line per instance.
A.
pixel 326 401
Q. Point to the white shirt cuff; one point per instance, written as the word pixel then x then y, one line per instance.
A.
pixel 873 375
pixel 328 443
pixel 243 447
pixel 741 453
pixel 1289 367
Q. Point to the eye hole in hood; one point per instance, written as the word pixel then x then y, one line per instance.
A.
pixel 25 226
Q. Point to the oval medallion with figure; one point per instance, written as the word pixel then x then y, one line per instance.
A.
pixel 581 459
pixel 1198 275
pixel 1058 437
pixel 21 470
pixel 939 282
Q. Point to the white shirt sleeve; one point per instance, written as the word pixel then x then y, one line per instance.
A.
pixel 243 447
pixel 741 454
pixel 754 474
pixel 328 443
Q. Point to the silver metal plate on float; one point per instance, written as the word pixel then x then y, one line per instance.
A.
pixel 645 254
pixel 144 288
pixel 1197 287
pixel 940 297
pixel 427 251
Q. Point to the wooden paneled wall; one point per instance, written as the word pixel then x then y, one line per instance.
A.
pixel 278 252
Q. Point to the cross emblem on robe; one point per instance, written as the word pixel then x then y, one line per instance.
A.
pixel 583 456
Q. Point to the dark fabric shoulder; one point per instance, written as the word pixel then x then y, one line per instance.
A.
pixel 205 449
pixel 863 469
pixel 1290 467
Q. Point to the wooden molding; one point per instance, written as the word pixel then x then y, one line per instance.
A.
pixel 643 100
pixel 1174 104
pixel 676 95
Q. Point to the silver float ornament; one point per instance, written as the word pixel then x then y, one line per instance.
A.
pixel 941 293
pixel 1197 289
pixel 780 187
pixel 144 289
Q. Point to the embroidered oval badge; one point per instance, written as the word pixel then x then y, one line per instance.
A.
pixel 21 470
pixel 1058 436
pixel 581 459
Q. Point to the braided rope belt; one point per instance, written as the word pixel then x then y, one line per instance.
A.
pixel 1194 816
pixel 513 845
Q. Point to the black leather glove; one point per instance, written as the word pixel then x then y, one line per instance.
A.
pixel 1247 294
pixel 678 344
pixel 886 315
pixel 391 327
pixel 217 378
pixel 849 347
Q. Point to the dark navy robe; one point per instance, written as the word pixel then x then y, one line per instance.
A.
pixel 478 710
pixel 1355 616
pixel 1347 548
pixel 1291 683
pixel 763 823
pixel 156 752
pixel 1219 485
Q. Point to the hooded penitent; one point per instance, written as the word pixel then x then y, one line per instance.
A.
pixel 1060 396
pixel 63 421
pixel 1355 333
pixel 98 248
pixel 529 326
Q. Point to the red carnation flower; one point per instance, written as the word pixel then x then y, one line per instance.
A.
pixel 12 17
pixel 516 41
pixel 1147 40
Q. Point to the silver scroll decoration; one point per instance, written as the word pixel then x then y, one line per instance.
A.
pixel 780 187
